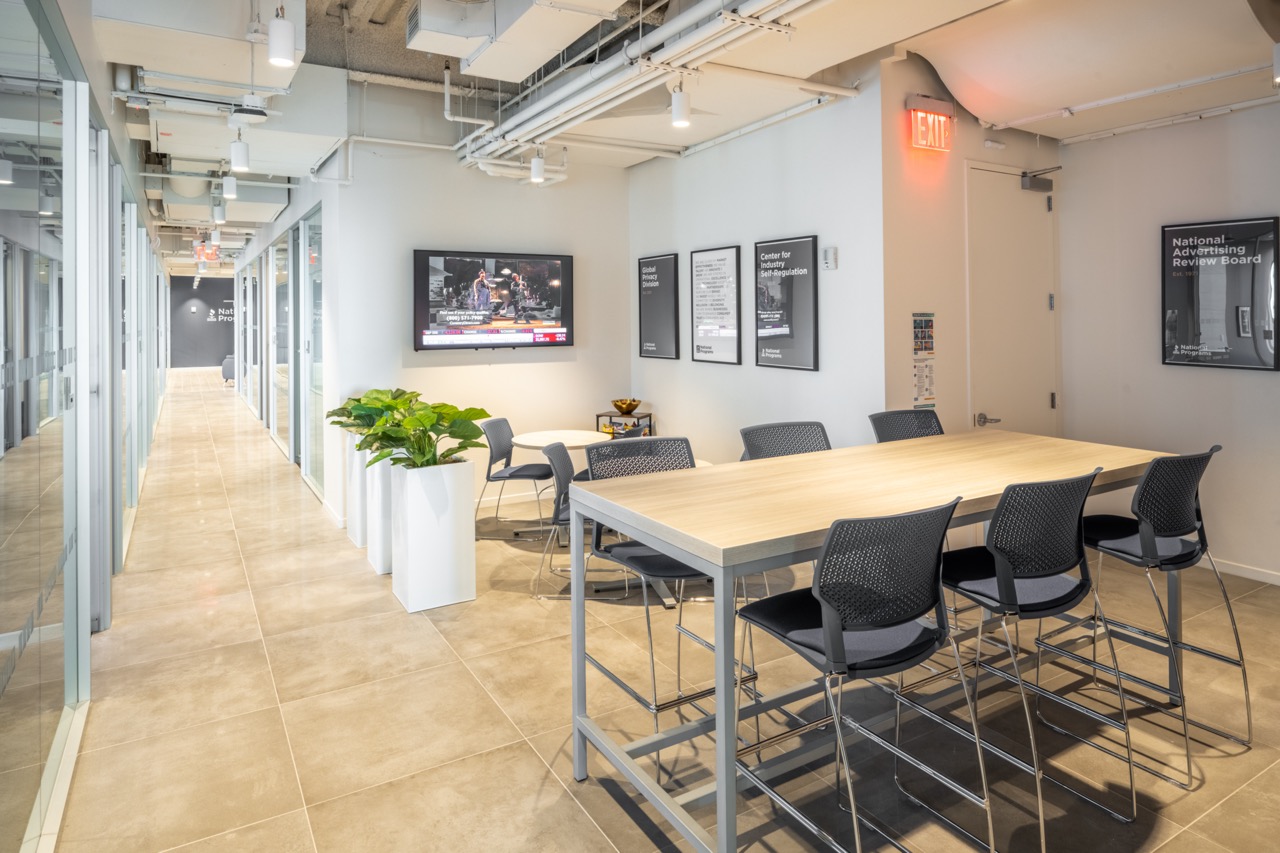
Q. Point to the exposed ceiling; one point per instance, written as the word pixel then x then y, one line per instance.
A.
pixel 596 75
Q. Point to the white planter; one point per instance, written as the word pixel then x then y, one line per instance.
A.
pixel 433 548
pixel 356 489
pixel 378 512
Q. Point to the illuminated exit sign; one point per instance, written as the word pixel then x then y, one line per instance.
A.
pixel 932 122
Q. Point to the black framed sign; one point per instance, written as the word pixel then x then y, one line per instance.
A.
pixel 659 307
pixel 787 303
pixel 716 307
pixel 1218 295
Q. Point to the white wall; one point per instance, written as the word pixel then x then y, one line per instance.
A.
pixel 1116 195
pixel 817 174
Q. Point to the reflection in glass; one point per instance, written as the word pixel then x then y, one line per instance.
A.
pixel 313 269
pixel 280 316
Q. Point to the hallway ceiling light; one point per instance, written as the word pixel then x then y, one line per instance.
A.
pixel 537 168
pixel 280 40
pixel 679 106
pixel 46 205
pixel 215 236
pixel 219 211
pixel 239 154
pixel 229 186
pixel 6 172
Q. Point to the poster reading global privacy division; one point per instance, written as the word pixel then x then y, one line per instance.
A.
pixel 1218 294
pixel 787 303
pixel 716 305
pixel 659 333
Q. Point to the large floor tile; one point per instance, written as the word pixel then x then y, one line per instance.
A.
pixel 176 629
pixel 505 799
pixel 498 620
pixel 135 590
pixel 289 833
pixel 131 702
pixel 319 602
pixel 372 733
pixel 276 568
pixel 201 547
pixel 164 791
pixel 1248 820
pixel 334 655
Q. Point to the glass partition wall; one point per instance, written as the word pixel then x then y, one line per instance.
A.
pixel 281 344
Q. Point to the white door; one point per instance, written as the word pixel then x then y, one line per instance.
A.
pixel 1013 329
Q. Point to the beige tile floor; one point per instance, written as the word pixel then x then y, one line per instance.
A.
pixel 261 689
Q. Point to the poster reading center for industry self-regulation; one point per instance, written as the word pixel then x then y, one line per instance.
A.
pixel 1218 306
pixel 787 303
pixel 659 307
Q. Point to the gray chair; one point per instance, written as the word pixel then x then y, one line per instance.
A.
pixel 498 435
pixel 634 432
pixel 562 469
pixel 1166 508
pixel 900 424
pixel 628 457
pixel 1023 572
pixel 788 438
pixel 875 610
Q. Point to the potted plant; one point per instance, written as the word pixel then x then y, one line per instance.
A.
pixel 369 490
pixel 433 557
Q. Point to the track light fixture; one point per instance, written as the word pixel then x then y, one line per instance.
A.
pixel 239 154
pixel 679 106
pixel 229 186
pixel 46 205
pixel 280 40
pixel 6 172
pixel 219 211
pixel 215 236
pixel 538 168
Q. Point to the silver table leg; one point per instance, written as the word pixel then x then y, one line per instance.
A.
pixel 578 633
pixel 726 719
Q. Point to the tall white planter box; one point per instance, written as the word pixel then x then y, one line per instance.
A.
pixel 433 548
pixel 357 529
pixel 378 511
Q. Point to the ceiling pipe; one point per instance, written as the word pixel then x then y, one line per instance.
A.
pixel 781 80
pixel 421 85
pixel 223 84
pixel 620 147
pixel 350 142
pixel 482 125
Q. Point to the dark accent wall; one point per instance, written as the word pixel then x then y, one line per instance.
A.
pixel 205 336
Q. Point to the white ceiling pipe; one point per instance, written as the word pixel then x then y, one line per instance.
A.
pixel 688 55
pixel 421 85
pixel 526 127
pixel 781 80
pixel 621 147
pixel 349 144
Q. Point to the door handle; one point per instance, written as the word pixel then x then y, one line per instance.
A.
pixel 983 420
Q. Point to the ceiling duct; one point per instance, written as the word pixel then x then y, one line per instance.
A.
pixel 504 40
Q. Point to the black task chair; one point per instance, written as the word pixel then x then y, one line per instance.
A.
pixel 623 458
pixel 875 610
pixel 562 469
pixel 901 424
pixel 788 438
pixel 498 435
pixel 633 432
pixel 1033 543
pixel 1166 508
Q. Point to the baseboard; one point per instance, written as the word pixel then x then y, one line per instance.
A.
pixel 1256 573
pixel 44 825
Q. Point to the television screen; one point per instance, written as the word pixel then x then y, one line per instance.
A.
pixel 469 300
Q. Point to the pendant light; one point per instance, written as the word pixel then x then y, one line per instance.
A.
pixel 679 106
pixel 280 40
pixel 46 204
pixel 215 236
pixel 239 154
pixel 537 168
pixel 6 172
pixel 229 186
pixel 219 211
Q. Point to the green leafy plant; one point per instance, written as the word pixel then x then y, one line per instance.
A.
pixel 410 435
pixel 359 414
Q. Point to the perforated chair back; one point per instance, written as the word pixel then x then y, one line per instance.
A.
pixel 880 572
pixel 562 469
pixel 498 435
pixel 625 457
pixel 634 432
pixel 1168 495
pixel 1037 531
pixel 764 441
pixel 901 424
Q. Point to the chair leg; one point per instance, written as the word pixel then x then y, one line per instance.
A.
pixel 1031 731
pixel 972 704
pixel 1175 670
pixel 1124 711
pixel 1235 632
pixel 842 756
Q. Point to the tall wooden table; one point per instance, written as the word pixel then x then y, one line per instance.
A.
pixel 748 517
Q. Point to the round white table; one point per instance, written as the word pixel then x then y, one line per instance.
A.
pixel 572 439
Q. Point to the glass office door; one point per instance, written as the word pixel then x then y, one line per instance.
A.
pixel 312 328
pixel 280 343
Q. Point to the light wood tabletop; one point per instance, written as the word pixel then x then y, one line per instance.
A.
pixel 572 439
pixel 758 509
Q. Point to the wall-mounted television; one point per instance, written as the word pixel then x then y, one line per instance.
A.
pixel 474 300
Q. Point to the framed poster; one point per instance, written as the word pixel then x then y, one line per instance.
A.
pixel 716 307
pixel 1218 293
pixel 659 307
pixel 787 303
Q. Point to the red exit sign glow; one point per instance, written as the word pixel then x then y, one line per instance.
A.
pixel 931 130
